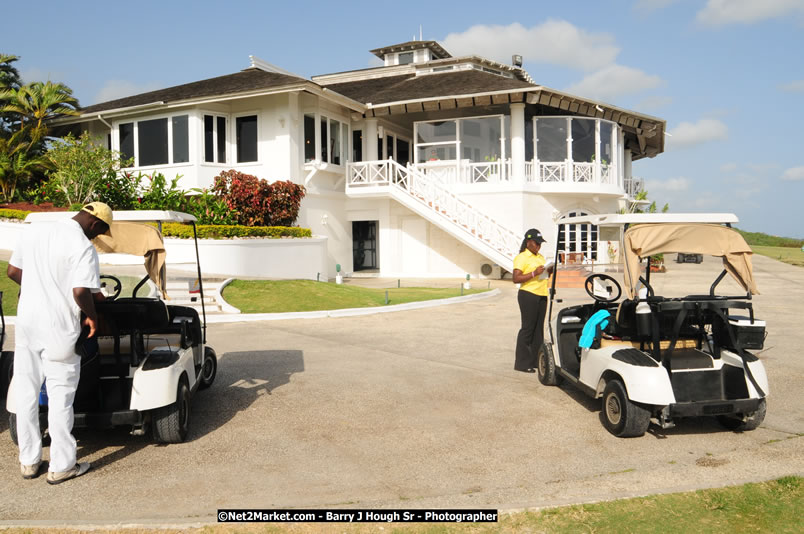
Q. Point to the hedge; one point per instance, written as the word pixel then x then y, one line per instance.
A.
pixel 205 231
pixel 6 213
pixel 209 231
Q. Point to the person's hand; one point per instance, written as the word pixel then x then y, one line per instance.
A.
pixel 92 324
pixel 539 270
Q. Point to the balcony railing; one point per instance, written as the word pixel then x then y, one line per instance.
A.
pixel 469 172
pixel 633 186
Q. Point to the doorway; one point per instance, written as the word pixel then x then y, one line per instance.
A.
pixel 578 242
pixel 364 245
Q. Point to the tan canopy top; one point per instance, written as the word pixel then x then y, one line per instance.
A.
pixel 137 239
pixel 645 240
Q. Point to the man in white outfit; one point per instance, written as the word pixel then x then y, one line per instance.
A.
pixel 57 269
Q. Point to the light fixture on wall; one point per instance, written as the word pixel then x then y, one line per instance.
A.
pixel 324 220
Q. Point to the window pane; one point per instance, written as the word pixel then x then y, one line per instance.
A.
pixel 209 138
pixel 153 142
pixel 436 153
pixel 551 144
pixel 528 140
pixel 402 152
pixel 380 149
pixel 405 58
pixel 606 150
pixel 181 141
pixel 324 138
pixel 127 140
pixel 480 139
pixel 357 145
pixel 389 146
pixel 583 140
pixel 335 142
pixel 246 134
pixel 345 144
pixel 309 138
pixel 221 140
pixel 433 132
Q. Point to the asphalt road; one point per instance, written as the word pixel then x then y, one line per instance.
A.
pixel 413 409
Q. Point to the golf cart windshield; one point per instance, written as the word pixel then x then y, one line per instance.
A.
pixel 644 240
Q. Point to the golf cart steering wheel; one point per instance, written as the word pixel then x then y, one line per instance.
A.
pixel 590 288
pixel 117 288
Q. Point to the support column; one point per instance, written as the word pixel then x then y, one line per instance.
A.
pixel 518 143
pixel 370 133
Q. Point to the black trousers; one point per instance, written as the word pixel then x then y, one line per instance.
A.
pixel 533 309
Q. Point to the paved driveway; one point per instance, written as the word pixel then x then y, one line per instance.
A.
pixel 412 409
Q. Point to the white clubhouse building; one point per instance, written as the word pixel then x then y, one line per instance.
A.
pixel 430 165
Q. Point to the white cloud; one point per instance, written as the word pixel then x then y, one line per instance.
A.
pixel 722 12
pixel 796 86
pixel 728 167
pixel 690 134
pixel 794 174
pixel 555 42
pixel 614 81
pixel 114 89
pixel 671 185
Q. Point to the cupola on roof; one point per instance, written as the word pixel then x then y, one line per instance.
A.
pixel 436 51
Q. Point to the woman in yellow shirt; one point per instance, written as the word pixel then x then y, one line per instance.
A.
pixel 532 298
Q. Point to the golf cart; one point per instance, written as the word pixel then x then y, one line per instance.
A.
pixel 148 357
pixel 653 358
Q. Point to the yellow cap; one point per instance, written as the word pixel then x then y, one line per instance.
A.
pixel 99 210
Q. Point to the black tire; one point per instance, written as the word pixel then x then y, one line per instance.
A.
pixel 171 424
pixel 208 369
pixel 546 366
pixel 751 422
pixel 6 372
pixel 12 428
pixel 620 416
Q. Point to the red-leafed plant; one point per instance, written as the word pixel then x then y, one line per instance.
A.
pixel 246 195
pixel 286 197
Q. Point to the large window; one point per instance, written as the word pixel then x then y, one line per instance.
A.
pixel 579 140
pixel 333 139
pixel 159 141
pixel 551 139
pixel 246 137
pixel 214 139
pixel 478 139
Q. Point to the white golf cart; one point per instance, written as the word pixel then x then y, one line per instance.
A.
pixel 657 358
pixel 148 357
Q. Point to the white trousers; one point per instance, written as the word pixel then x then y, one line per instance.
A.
pixel 31 368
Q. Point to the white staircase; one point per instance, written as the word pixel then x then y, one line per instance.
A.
pixel 179 294
pixel 436 204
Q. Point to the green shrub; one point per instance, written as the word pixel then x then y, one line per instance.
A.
pixel 219 231
pixel 286 198
pixel 760 239
pixel 119 191
pixel 13 214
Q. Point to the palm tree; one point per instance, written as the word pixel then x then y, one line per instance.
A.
pixel 9 76
pixel 38 102
pixel 18 162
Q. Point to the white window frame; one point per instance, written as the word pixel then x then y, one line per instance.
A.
pixel 228 130
pixel 457 141
pixel 136 133
pixel 232 140
pixel 346 144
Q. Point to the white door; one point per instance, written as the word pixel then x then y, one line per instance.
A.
pixel 414 246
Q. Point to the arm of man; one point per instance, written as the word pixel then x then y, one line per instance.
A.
pixel 83 297
pixel 15 273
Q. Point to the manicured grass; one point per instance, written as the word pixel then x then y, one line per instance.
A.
pixel 10 291
pixel 277 296
pixel 793 256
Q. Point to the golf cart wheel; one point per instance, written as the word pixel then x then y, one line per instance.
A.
pixel 209 368
pixel 546 366
pixel 751 421
pixel 620 416
pixel 171 424
pixel 12 428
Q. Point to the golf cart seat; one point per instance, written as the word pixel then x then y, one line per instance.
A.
pixel 124 315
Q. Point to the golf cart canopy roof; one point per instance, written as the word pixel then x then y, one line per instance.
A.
pixel 622 219
pixel 124 215
pixel 130 235
pixel 645 240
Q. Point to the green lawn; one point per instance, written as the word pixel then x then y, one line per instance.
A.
pixel 793 256
pixel 10 291
pixel 276 296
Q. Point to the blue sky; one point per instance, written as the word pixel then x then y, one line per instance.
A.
pixel 726 75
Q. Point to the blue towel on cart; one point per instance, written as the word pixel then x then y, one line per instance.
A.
pixel 600 318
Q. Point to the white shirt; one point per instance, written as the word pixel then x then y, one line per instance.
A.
pixel 55 258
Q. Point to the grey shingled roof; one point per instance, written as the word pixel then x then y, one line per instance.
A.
pixel 411 87
pixel 240 82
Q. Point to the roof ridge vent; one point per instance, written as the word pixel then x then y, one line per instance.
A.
pixel 257 63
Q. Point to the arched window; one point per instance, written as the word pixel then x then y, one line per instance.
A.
pixel 578 242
